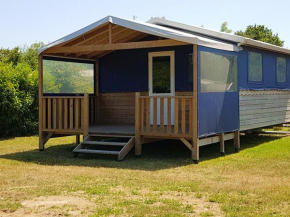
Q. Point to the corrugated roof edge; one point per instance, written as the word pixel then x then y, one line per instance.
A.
pixel 220 35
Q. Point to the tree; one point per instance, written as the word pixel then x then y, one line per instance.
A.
pixel 261 33
pixel 224 28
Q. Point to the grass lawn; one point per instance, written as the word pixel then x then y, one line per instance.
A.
pixel 163 182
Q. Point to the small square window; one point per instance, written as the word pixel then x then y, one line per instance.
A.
pixel 281 76
pixel 255 72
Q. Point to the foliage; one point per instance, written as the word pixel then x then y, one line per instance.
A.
pixel 18 91
pixel 224 28
pixel 261 33
pixel 67 77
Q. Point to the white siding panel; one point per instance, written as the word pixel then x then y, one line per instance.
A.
pixel 262 108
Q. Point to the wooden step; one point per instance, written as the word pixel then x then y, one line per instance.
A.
pixel 104 143
pixel 92 151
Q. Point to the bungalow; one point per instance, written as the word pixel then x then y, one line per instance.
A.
pixel 123 83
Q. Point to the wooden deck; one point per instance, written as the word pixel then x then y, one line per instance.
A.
pixel 123 130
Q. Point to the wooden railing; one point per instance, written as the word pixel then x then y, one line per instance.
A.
pixel 153 116
pixel 65 114
pixel 94 108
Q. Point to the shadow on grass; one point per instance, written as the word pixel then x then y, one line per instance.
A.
pixel 155 156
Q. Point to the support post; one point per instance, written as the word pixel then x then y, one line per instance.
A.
pixel 86 115
pixel 97 92
pixel 77 140
pixel 222 144
pixel 40 109
pixel 195 140
pixel 237 140
pixel 138 145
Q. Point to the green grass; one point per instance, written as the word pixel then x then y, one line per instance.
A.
pixel 163 182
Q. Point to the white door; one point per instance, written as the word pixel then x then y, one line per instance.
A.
pixel 161 81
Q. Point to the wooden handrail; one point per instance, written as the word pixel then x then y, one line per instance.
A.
pixel 65 114
pixel 158 109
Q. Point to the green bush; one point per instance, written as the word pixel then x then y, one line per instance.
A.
pixel 18 100
pixel 18 91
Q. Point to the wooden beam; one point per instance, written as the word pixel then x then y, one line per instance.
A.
pixel 138 145
pixel 237 140
pixel 40 93
pixel 222 144
pixel 185 142
pixel 97 92
pixel 195 140
pixel 110 33
pixel 120 46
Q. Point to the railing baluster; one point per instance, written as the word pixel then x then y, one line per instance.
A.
pixel 71 123
pixel 76 114
pixel 190 115
pixel 169 115
pixel 142 114
pixel 162 114
pixel 183 116
pixel 60 114
pixel 49 113
pixel 155 114
pixel 176 112
pixel 44 114
pixel 82 113
pixel 54 112
pixel 148 115
pixel 65 114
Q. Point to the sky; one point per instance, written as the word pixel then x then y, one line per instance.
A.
pixel 23 22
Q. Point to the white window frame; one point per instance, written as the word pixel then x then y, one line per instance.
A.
pixel 171 54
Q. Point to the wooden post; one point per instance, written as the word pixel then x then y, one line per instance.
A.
pixel 40 94
pixel 222 144
pixel 110 33
pixel 237 140
pixel 97 93
pixel 138 145
pixel 77 140
pixel 86 114
pixel 195 140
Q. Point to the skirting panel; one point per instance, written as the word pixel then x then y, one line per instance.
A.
pixel 262 108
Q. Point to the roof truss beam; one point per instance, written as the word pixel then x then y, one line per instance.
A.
pixel 117 46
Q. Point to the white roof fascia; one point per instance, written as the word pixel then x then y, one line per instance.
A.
pixel 149 29
pixel 240 40
pixel 200 30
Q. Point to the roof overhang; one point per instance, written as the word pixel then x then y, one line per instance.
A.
pixel 61 45
pixel 239 40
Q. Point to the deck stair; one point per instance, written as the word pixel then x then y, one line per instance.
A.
pixel 106 144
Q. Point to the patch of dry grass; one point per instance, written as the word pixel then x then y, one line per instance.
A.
pixel 163 182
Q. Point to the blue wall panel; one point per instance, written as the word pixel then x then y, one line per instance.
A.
pixel 269 71
pixel 218 112
pixel 127 70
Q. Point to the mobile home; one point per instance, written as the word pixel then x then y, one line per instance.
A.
pixel 134 82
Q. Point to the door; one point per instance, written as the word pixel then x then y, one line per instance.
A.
pixel 161 82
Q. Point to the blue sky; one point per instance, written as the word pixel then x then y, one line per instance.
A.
pixel 25 22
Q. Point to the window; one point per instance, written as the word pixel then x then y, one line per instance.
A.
pixel 281 70
pixel 255 67
pixel 60 76
pixel 161 73
pixel 218 72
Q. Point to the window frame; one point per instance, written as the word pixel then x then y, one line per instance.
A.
pixel 221 53
pixel 248 68
pixel 61 59
pixel 276 70
pixel 151 55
